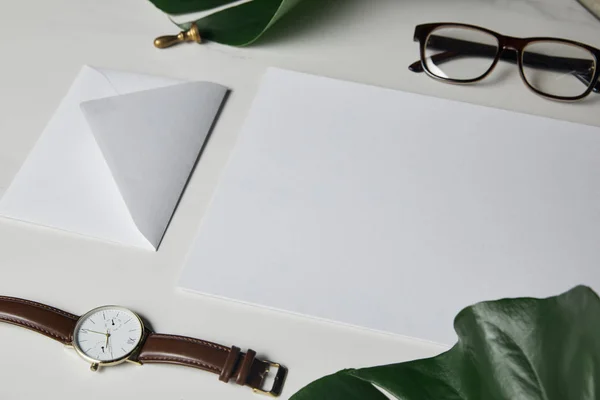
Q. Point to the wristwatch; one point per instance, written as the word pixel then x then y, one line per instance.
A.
pixel 112 335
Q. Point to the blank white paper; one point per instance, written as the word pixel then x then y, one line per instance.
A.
pixel 393 211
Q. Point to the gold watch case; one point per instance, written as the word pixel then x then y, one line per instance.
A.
pixel 96 364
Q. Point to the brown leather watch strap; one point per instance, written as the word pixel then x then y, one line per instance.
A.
pixel 228 363
pixel 49 321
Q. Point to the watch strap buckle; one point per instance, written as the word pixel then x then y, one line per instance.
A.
pixel 278 381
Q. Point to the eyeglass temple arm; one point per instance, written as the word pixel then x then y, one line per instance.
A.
pixel 461 48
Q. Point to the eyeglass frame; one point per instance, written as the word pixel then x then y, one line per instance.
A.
pixel 509 49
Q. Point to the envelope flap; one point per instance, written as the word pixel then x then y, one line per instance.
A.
pixel 151 140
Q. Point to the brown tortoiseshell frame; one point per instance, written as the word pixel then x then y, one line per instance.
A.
pixel 505 44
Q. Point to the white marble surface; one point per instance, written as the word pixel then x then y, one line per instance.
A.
pixel 42 47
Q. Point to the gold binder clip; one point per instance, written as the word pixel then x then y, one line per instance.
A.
pixel 191 35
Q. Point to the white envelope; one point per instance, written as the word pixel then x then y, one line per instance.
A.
pixel 114 159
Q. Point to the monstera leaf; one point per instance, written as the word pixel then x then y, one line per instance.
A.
pixel 189 6
pixel 513 349
pixel 238 25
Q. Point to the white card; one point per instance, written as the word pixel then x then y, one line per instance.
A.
pixel 117 172
pixel 393 211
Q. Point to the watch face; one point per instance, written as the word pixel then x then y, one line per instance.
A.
pixel 108 335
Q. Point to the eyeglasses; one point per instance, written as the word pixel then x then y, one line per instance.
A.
pixel 558 69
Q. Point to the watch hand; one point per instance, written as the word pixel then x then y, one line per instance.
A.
pixel 99 333
pixel 109 345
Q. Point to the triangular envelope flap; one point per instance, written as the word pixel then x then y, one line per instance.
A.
pixel 151 141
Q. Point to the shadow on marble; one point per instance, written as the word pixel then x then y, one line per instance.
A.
pixel 593 98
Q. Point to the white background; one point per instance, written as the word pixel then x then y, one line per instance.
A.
pixel 42 47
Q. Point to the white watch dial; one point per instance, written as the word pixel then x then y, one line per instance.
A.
pixel 108 334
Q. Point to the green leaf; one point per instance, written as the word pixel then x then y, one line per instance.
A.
pixel 341 386
pixel 188 6
pixel 525 349
pixel 236 26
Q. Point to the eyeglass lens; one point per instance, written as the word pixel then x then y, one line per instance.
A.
pixel 460 54
pixel 558 68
